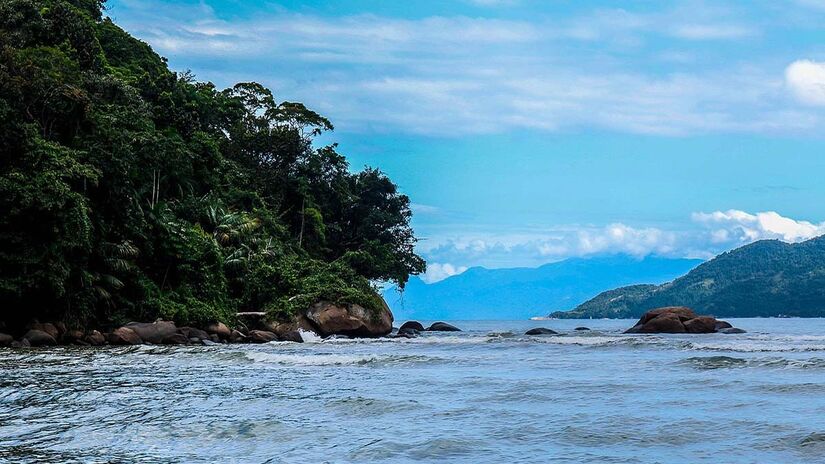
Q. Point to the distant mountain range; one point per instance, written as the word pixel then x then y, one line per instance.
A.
pixel 765 278
pixel 520 293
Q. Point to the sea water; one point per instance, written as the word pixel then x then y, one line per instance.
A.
pixel 485 395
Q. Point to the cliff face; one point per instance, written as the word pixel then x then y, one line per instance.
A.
pixel 763 279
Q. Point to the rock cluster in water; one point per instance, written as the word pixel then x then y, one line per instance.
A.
pixel 680 319
pixel 323 318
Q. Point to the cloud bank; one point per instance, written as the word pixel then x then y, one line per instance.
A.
pixel 711 234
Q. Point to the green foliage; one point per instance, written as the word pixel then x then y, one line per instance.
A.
pixel 128 191
pixel 763 279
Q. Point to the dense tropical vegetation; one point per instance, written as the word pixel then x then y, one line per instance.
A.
pixel 766 278
pixel 128 191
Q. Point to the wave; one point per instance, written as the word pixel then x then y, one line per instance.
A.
pixel 729 362
pixel 326 359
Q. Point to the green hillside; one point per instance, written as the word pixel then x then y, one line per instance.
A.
pixel 765 278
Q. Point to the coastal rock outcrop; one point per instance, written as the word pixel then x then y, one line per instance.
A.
pixel 37 337
pixel 411 325
pixel 220 329
pixel 124 336
pixel 442 327
pixel 677 319
pixel 153 332
pixel 94 338
pixel 541 331
pixel 349 319
pixel 262 336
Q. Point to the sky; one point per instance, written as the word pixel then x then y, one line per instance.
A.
pixel 530 131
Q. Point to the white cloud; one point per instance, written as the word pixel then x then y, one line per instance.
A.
pixel 740 226
pixel 706 236
pixel 469 75
pixel 440 271
pixel 806 79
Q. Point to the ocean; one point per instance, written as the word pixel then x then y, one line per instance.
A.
pixel 484 395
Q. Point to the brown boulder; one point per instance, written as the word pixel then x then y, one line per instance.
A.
pixel 291 336
pixel 350 319
pixel 124 336
pixel 153 332
pixel 220 329
pixel 722 325
pixel 40 338
pixel 664 323
pixel 262 336
pixel 701 324
pixel 47 327
pixel 237 337
pixel 411 325
pixel 683 312
pixel 95 338
pixel 6 339
pixel 191 332
pixel 72 336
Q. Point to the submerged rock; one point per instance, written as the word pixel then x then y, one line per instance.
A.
pixel 541 331
pixel 124 336
pixel 677 319
pixel 732 330
pixel 350 319
pixel 442 327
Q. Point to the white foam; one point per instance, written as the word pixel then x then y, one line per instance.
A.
pixel 309 336
pixel 310 359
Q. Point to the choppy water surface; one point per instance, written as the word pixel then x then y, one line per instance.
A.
pixel 484 395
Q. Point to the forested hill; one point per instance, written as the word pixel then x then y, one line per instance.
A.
pixel 766 278
pixel 130 192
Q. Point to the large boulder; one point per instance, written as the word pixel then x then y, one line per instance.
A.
pixel 220 329
pixel 39 338
pixel 95 338
pixel 73 337
pixel 442 327
pixel 350 319
pixel 677 319
pixel 411 325
pixel 6 339
pixel 262 336
pixel 153 332
pixel 124 336
pixel 192 332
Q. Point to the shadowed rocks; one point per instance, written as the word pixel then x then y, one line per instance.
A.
pixel 679 319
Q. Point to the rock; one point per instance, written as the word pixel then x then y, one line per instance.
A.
pixel 40 338
pixel 541 331
pixel 124 336
pixel 262 336
pixel 700 324
pixel 414 325
pixel 191 332
pixel 47 327
pixel 350 319
pixel 300 323
pixel 722 325
pixel 6 339
pixel 291 336
pixel 215 338
pixel 153 332
pixel 72 337
pixel 407 331
pixel 220 329
pixel 674 319
pixel 208 342
pixel 94 338
pixel 581 329
pixel 732 330
pixel 683 312
pixel 176 339
pixel 404 334
pixel 237 337
pixel 662 323
pixel 23 343
pixel 442 327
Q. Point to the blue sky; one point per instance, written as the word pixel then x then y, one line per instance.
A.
pixel 531 131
